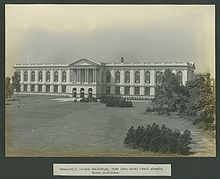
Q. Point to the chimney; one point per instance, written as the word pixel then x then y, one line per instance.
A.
pixel 122 59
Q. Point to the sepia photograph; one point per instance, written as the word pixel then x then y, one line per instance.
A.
pixel 95 80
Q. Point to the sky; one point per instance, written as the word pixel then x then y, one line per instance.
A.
pixel 105 33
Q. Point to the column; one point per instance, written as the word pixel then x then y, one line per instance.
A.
pixel 184 77
pixel 132 90
pixel 44 88
pixel 152 77
pixel 142 77
pixel 77 75
pixel 36 88
pixel 59 76
pixel 29 76
pixel 122 77
pixel 94 75
pixel 112 76
pixel 132 77
pixel 22 76
pixel 51 76
pixel 142 90
pixel 68 76
pixel 59 89
pixel 86 75
pixel 44 76
pixel 36 76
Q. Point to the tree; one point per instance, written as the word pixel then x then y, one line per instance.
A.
pixel 16 82
pixel 201 99
pixel 168 93
pixel 8 88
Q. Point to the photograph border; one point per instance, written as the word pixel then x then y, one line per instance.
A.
pixel 42 167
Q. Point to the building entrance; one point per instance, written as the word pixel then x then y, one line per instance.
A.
pixel 74 93
pixel 82 93
pixel 90 92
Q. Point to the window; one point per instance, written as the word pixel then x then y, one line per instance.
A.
pixel 137 77
pixel 108 77
pixel 147 77
pixel 47 76
pixel 117 90
pixel 108 89
pixel 47 88
pixel 25 87
pixel 40 76
pixel 63 88
pixel 158 77
pixel 55 88
pixel 127 90
pixel 137 90
pixel 32 88
pixel 180 77
pixel 117 77
pixel 63 76
pixel 25 76
pixel 40 88
pixel 19 76
pixel 147 91
pixel 127 77
pixel 55 76
pixel 32 76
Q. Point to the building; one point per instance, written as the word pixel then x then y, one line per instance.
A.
pixel 87 78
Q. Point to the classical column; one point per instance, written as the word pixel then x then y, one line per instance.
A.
pixel 122 77
pixel 36 76
pixel 44 76
pixel 152 77
pixel 152 91
pixel 29 76
pixel 132 77
pixel 22 76
pixel 59 76
pixel 142 77
pixel 184 77
pixel 94 75
pixel 51 76
pixel 112 76
pixel 68 76
pixel 142 90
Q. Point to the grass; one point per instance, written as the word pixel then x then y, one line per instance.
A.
pixel 42 126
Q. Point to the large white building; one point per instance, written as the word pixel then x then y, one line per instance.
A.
pixel 87 78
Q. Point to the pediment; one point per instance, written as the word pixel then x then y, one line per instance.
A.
pixel 84 62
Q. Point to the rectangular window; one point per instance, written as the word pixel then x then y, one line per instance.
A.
pixel 117 90
pixel 55 88
pixel 127 90
pixel 39 88
pixel 63 88
pixel 137 90
pixel 47 88
pixel 32 88
pixel 147 91
pixel 25 87
pixel 108 89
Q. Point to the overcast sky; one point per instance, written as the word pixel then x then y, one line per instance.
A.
pixel 104 33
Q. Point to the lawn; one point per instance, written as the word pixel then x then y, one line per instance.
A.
pixel 47 126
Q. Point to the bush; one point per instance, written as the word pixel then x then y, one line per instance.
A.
pixel 112 101
pixel 86 100
pixel 156 139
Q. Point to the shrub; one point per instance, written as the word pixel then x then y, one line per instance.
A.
pixel 156 139
pixel 112 101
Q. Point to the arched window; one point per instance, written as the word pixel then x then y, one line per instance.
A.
pixel 40 76
pixel 19 75
pixel 117 77
pixel 137 77
pixel 127 77
pixel 180 77
pixel 147 77
pixel 32 76
pixel 25 76
pixel 108 77
pixel 55 76
pixel 158 77
pixel 47 76
pixel 63 76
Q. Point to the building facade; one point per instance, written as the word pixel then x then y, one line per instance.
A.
pixel 87 78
